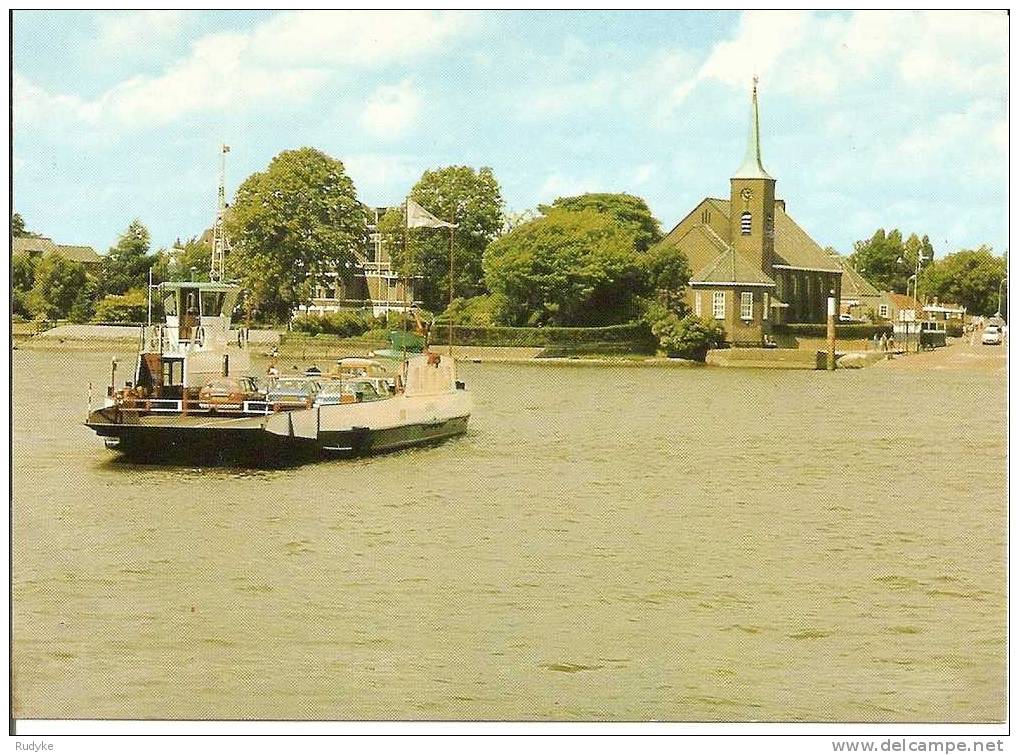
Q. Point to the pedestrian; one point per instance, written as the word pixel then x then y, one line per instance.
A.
pixel 876 341
pixel 884 342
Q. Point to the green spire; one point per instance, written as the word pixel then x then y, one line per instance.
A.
pixel 752 166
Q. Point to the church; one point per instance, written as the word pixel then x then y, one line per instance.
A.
pixel 752 267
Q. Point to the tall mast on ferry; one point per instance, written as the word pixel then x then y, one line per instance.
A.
pixel 218 267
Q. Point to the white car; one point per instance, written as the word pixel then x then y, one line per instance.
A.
pixel 991 336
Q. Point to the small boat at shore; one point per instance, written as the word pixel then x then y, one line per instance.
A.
pixel 161 414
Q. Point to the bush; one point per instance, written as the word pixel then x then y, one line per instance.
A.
pixel 345 323
pixel 129 307
pixel 690 337
pixel 820 330
pixel 478 311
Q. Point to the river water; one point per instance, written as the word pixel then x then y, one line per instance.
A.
pixel 607 543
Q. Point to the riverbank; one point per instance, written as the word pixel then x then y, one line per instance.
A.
pixel 101 336
pixel 959 354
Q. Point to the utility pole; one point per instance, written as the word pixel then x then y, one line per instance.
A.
pixel 218 267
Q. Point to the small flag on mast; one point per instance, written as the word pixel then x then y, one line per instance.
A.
pixel 419 217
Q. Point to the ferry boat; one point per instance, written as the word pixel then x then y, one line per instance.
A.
pixel 192 395
pixel 162 414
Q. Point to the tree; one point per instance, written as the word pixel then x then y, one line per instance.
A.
pixel 969 277
pixel 888 262
pixel 629 211
pixel 194 255
pixel 84 303
pixel 667 273
pixel 689 337
pixel 22 280
pixel 478 311
pixel 22 272
pixel 567 268
pixel 288 225
pixel 131 306
pixel 57 284
pixel 18 226
pixel 459 194
pixel 127 263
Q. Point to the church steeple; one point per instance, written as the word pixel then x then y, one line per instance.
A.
pixel 752 166
pixel 752 201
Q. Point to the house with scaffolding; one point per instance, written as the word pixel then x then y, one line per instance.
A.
pixel 369 282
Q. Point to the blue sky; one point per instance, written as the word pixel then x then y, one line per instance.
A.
pixel 873 119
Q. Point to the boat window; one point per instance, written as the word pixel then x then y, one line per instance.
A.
pixel 173 372
pixel 212 303
pixel 170 304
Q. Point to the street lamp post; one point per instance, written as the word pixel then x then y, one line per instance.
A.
pixel 1001 285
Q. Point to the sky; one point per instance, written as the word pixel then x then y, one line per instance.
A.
pixel 869 119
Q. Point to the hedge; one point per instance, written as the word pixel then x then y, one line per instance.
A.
pixel 843 330
pixel 635 335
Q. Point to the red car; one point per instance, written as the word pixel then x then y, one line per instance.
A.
pixel 228 393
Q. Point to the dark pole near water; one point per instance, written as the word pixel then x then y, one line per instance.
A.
pixel 831 331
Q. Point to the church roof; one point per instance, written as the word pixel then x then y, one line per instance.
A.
pixel 793 246
pixel 752 166
pixel 855 285
pixel 729 266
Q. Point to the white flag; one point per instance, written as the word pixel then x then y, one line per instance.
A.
pixel 419 217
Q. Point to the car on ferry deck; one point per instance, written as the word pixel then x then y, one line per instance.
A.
pixel 292 392
pixel 351 391
pixel 228 393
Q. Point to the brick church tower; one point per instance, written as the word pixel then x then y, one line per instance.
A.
pixel 752 201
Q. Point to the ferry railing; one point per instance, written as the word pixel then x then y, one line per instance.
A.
pixel 177 406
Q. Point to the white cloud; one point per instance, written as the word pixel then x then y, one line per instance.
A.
pixel 814 55
pixel 643 173
pixel 975 140
pixel 391 110
pixel 374 173
pixel 132 33
pixel 560 185
pixel 358 38
pixel 580 80
pixel 286 58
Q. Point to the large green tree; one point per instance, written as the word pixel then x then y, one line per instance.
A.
pixel 667 272
pixel 58 282
pixel 969 277
pixel 887 261
pixel 194 255
pixel 22 280
pixel 567 268
pixel 291 223
pixel 458 194
pixel 18 226
pixel 126 265
pixel 629 211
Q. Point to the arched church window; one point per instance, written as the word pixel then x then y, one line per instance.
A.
pixel 744 223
